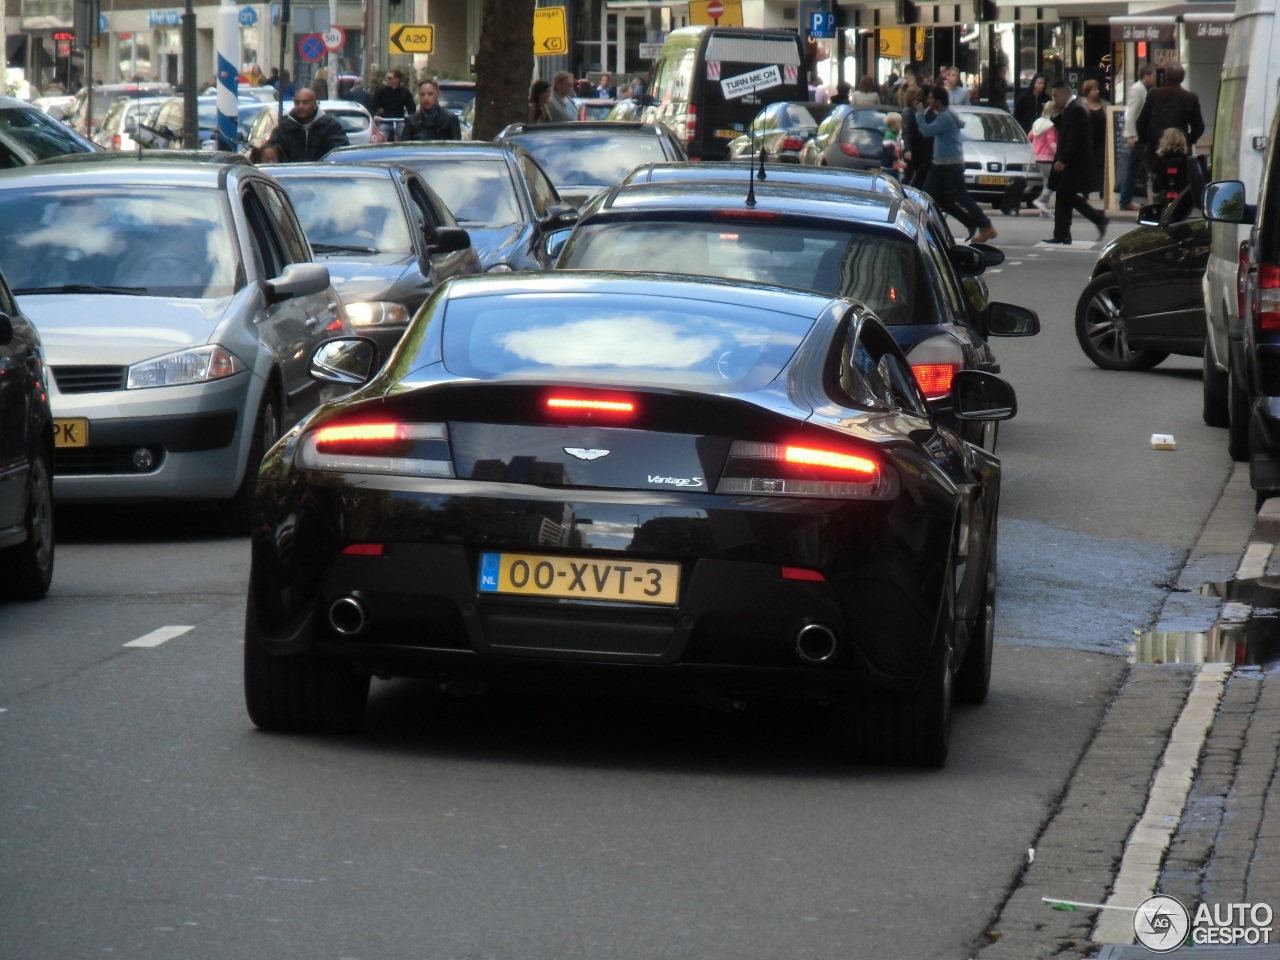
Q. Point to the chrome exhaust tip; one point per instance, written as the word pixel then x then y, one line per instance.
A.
pixel 347 616
pixel 816 643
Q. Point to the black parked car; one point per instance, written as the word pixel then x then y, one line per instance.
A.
pixel 1144 300
pixel 26 457
pixel 872 247
pixel 780 131
pixel 633 483
pixel 1252 399
pixel 496 191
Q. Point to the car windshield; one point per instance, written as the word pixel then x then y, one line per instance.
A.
pixel 351 121
pixel 991 127
pixel 640 340
pixel 590 158
pixel 345 214
pixel 477 192
pixel 155 241
pixel 40 133
pixel 879 268
pixel 456 98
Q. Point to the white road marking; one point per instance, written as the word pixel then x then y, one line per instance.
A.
pixel 157 637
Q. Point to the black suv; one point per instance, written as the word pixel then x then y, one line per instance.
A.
pixel 1254 398
pixel 26 458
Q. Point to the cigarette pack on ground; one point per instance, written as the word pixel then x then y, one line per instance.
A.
pixel 1163 441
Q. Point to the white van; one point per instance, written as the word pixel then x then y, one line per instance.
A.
pixel 1246 102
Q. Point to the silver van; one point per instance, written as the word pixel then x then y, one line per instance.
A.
pixel 1246 102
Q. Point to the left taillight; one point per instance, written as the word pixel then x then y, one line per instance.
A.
pixel 792 143
pixel 849 149
pixel 409 449
pixel 935 363
pixel 806 470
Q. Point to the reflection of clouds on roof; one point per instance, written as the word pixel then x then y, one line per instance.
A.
pixel 636 342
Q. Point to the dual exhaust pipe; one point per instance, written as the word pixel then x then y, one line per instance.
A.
pixel 814 643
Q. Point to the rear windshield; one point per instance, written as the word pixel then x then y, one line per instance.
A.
pixel 341 215
pixel 591 158
pixel 878 267
pixel 147 241
pixel 609 338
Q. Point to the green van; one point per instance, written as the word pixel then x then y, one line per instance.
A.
pixel 708 83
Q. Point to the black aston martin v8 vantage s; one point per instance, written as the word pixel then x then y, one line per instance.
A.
pixel 650 484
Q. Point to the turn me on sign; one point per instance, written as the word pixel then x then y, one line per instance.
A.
pixel 745 83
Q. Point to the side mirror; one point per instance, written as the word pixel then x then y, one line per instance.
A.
pixel 1149 214
pixel 6 330
pixel 968 261
pixel 1011 320
pixel 298 280
pixel 976 395
pixel 993 255
pixel 555 242
pixel 1224 202
pixel 448 240
pixel 561 214
pixel 349 361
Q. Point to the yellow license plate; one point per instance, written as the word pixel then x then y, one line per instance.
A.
pixel 577 578
pixel 70 432
pixel 994 181
pixel 728 134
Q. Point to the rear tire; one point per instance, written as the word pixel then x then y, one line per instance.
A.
pixel 1237 417
pixel 1215 411
pixel 236 514
pixel 973 679
pixel 31 562
pixel 1100 329
pixel 300 692
pixel 912 730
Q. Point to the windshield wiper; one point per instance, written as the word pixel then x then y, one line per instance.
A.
pixel 340 248
pixel 79 288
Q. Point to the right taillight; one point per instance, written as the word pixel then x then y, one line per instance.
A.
pixel 1267 297
pixel 407 449
pixel 806 470
pixel 849 150
pixel 691 125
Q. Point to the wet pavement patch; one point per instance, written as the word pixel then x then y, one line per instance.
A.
pixel 1247 632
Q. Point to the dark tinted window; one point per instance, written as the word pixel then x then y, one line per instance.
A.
pixel 593 158
pixel 39 133
pixel 642 340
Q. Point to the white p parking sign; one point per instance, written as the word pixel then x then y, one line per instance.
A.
pixel 745 83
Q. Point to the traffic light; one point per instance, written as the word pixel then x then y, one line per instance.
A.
pixel 984 10
pixel 906 11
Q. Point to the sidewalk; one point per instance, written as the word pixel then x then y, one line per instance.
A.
pixel 1174 795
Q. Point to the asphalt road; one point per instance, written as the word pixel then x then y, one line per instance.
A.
pixel 141 815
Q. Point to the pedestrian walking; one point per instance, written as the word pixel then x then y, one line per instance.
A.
pixel 1097 107
pixel 358 94
pixel 917 149
pixel 605 90
pixel 306 132
pixel 866 95
pixel 998 89
pixel 431 121
pixel 957 92
pixel 320 84
pixel 1169 105
pixel 1030 103
pixel 1135 165
pixel 560 105
pixel 1072 172
pixel 1044 145
pixel 945 181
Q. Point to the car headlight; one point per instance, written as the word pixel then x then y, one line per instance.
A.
pixel 197 365
pixel 376 313
pixel 499 268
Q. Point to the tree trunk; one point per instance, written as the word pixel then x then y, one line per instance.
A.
pixel 504 66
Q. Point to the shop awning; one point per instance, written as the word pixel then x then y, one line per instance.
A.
pixel 1203 20
pixel 1144 27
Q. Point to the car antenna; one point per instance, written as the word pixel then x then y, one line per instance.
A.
pixel 751 182
pixel 762 175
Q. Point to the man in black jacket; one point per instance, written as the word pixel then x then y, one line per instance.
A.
pixel 431 121
pixel 306 132
pixel 1169 105
pixel 1072 173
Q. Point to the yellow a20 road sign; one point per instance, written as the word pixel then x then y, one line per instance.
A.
pixel 412 37
pixel 550 35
